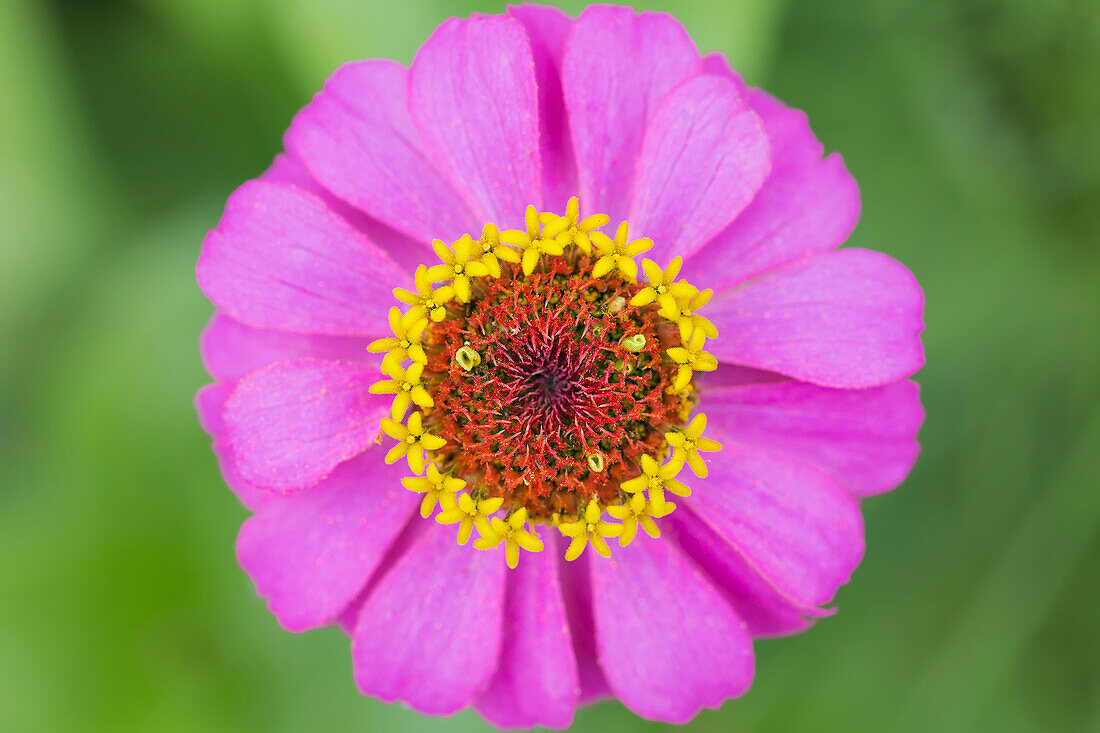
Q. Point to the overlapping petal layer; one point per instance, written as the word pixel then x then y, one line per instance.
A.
pixel 848 319
pixel 310 552
pixel 291 423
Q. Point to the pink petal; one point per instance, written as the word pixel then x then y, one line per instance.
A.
pixel 472 96
pixel 349 617
pixel 430 633
pixel 730 375
pixel 704 157
pixel 867 438
pixel 536 682
pixel 577 589
pixel 807 205
pixel 547 29
pixel 716 63
pixel 669 642
pixel 617 67
pixel 281 259
pixel 311 551
pixel 210 402
pixel 404 250
pixel 251 496
pixel 765 611
pixel 356 138
pixel 291 423
pixel 791 521
pixel 850 318
pixel 230 349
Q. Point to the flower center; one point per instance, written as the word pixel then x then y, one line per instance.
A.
pixel 567 392
pixel 548 383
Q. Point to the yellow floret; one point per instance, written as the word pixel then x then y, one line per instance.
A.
pixel 690 356
pixel 513 533
pixel 407 330
pixel 589 529
pixel 662 286
pixel 532 243
pixel 413 441
pixel 687 443
pixel 656 479
pixel 683 309
pixel 437 488
pixel 405 386
pixel 458 266
pixel 639 512
pixel 566 230
pixel 425 301
pixel 618 253
pixel 463 510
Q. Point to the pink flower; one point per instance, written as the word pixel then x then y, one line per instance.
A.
pixel 542 393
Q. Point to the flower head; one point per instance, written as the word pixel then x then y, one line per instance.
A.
pixel 542 393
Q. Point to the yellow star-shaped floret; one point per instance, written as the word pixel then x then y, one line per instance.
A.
pixel 662 286
pixel 589 529
pixel 463 510
pixel 458 266
pixel 405 386
pixel 425 302
pixel 656 479
pixel 490 250
pixel 513 533
pixel 683 310
pixel 405 343
pixel 412 441
pixel 638 512
pixel 532 243
pixel 690 356
pixel 437 488
pixel 687 442
pixel 566 230
pixel 618 253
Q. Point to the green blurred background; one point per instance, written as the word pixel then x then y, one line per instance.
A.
pixel 973 130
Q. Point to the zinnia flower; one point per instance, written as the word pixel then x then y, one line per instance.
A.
pixel 569 290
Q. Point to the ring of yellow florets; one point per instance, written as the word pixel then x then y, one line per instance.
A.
pixel 548 385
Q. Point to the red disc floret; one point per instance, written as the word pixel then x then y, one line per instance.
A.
pixel 543 390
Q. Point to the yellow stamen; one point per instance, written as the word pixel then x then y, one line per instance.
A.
pixel 682 309
pixel 413 441
pixel 425 301
pixel 618 253
pixel 532 243
pixel 656 479
pixel 688 442
pixel 566 230
pixel 490 250
pixel 513 533
pixel 435 487
pixel 405 343
pixel 690 356
pixel 458 266
pixel 405 386
pixel 589 529
pixel 462 510
pixel 662 287
pixel 639 512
